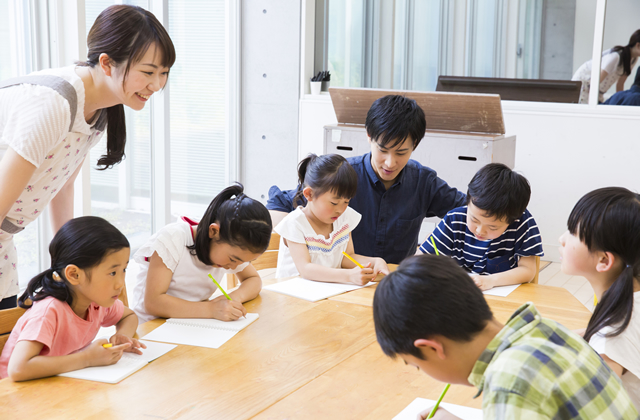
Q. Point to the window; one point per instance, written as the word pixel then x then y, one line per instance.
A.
pixel 122 194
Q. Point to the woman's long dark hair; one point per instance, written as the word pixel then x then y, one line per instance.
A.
pixel 83 242
pixel 608 220
pixel 244 223
pixel 326 173
pixel 124 33
pixel 625 52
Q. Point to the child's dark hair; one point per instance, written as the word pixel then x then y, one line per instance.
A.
pixel 608 220
pixel 499 192
pixel 427 295
pixel 84 242
pixel 244 223
pixel 394 118
pixel 326 173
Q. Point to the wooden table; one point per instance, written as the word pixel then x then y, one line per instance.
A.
pixel 299 360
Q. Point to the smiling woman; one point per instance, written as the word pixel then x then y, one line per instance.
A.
pixel 51 119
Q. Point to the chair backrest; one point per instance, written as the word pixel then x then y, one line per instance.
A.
pixel 267 260
pixel 8 319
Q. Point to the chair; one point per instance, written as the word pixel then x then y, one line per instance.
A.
pixel 535 279
pixel 267 260
pixel 8 319
pixel 123 296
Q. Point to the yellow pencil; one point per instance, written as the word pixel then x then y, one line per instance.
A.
pixel 434 245
pixel 354 261
pixel 435 407
pixel 106 346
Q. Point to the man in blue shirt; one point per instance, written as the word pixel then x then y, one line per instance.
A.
pixel 395 193
pixel 627 97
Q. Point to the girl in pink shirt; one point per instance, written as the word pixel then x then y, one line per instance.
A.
pixel 68 303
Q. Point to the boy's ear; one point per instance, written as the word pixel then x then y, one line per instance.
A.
pixel 214 231
pixel 431 346
pixel 606 260
pixel 308 193
pixel 72 274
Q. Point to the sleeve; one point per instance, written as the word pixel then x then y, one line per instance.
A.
pixel 290 229
pixel 610 62
pixel 442 236
pixel 40 328
pixel 169 242
pixel 352 218
pixel 622 348
pixel 440 197
pixel 528 239
pixel 239 268
pixel 113 314
pixel 282 200
pixel 36 122
pixel 505 405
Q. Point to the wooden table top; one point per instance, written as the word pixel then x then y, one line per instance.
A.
pixel 299 360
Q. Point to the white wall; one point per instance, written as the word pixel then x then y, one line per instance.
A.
pixel 583 32
pixel 564 150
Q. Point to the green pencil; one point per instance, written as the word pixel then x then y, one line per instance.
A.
pixel 434 245
pixel 435 407
pixel 220 287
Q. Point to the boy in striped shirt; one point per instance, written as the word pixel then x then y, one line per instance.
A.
pixel 494 237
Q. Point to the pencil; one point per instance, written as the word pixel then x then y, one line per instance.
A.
pixel 434 245
pixel 435 407
pixel 220 287
pixel 354 261
pixel 106 346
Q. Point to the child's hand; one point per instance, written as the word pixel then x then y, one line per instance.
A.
pixel 441 414
pixel 380 267
pixel 361 276
pixel 227 310
pixel 123 339
pixel 483 282
pixel 100 356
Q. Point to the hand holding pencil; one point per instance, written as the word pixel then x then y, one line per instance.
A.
pixel 224 308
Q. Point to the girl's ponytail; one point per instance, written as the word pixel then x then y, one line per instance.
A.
pixel 302 172
pixel 244 222
pixel 615 307
pixel 116 137
pixel 608 220
pixel 48 283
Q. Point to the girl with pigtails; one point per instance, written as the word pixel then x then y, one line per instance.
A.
pixel 173 281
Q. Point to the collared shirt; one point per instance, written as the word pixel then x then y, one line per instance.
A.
pixel 391 218
pixel 537 369
pixel 454 239
pixel 626 97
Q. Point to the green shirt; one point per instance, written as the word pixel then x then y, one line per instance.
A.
pixel 537 369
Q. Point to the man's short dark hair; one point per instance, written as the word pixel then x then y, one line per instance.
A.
pixel 499 192
pixel 394 118
pixel 427 295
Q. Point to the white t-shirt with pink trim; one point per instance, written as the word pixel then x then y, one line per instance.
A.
pixel 323 251
pixel 190 280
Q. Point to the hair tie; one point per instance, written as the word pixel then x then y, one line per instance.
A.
pixel 56 276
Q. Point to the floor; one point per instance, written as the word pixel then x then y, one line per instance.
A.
pixel 578 286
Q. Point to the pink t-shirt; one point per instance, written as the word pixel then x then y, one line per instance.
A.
pixel 54 324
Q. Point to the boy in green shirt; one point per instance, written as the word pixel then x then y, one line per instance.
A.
pixel 430 313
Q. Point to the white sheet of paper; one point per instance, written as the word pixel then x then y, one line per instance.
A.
pixel 501 290
pixel 312 291
pixel 128 364
pixel 412 410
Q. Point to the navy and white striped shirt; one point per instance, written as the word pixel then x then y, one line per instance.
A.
pixel 453 238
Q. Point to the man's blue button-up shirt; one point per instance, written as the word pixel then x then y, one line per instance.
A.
pixel 391 218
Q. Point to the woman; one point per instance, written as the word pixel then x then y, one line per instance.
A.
pixel 616 66
pixel 51 119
